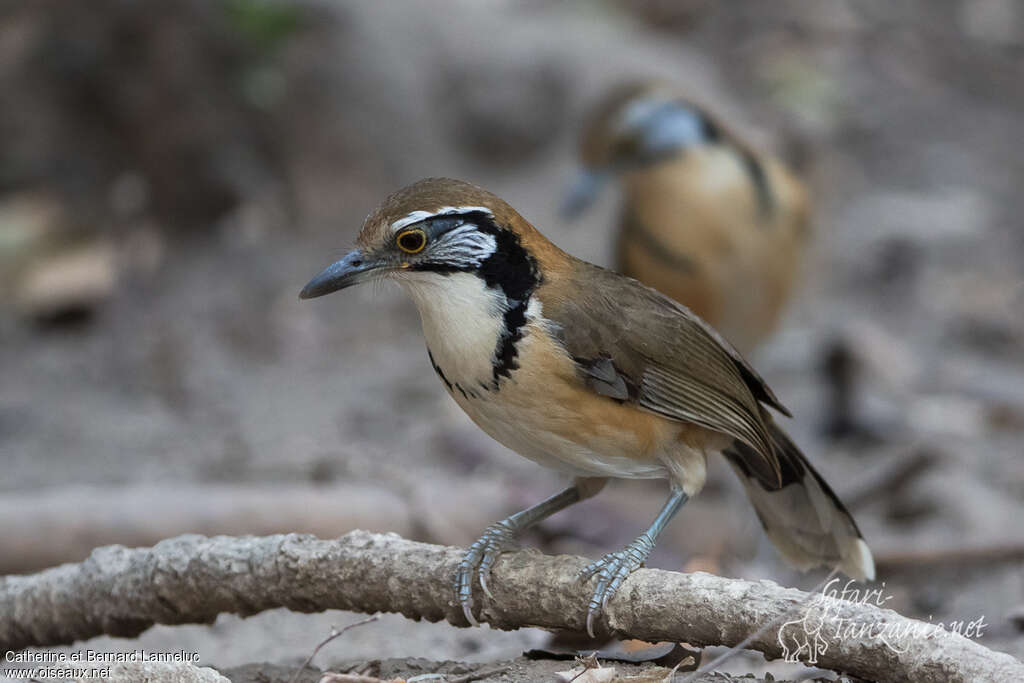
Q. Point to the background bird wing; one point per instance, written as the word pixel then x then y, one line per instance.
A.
pixel 635 345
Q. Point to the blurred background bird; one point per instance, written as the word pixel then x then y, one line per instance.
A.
pixel 705 219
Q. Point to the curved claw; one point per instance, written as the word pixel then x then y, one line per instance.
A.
pixel 463 586
pixel 482 575
pixel 479 560
pixel 611 570
pixel 467 610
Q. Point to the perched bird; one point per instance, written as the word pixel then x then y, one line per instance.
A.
pixel 704 219
pixel 588 372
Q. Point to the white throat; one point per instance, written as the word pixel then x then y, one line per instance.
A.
pixel 462 323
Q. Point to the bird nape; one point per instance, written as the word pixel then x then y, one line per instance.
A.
pixel 590 373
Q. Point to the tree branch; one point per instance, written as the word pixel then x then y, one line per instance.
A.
pixel 192 579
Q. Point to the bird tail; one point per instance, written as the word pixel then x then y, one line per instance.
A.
pixel 799 511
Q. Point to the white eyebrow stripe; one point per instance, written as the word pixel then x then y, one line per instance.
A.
pixel 417 216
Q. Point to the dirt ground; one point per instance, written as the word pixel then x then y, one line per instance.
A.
pixel 199 366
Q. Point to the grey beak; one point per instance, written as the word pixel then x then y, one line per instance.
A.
pixel 351 270
pixel 584 190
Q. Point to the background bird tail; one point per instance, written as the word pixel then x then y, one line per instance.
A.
pixel 801 514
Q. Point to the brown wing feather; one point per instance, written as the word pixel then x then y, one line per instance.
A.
pixel 633 344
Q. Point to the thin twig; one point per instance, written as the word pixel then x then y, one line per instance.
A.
pixel 334 634
pixel 687 660
pixel 589 662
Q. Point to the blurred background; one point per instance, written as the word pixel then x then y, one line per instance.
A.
pixel 172 173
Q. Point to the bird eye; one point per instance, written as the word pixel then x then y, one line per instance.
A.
pixel 411 241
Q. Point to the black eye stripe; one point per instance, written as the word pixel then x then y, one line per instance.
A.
pixel 439 225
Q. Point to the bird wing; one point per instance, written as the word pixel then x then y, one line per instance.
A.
pixel 635 345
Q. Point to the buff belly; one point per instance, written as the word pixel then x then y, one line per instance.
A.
pixel 544 412
pixel 528 434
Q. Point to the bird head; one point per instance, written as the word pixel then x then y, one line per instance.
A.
pixel 635 125
pixel 432 229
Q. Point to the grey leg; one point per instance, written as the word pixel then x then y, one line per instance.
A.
pixel 482 555
pixel 612 569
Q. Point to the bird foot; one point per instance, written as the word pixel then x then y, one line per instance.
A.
pixel 479 560
pixel 611 570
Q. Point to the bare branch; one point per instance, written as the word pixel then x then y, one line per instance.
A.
pixel 192 579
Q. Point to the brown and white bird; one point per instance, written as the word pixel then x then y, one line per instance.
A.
pixel 590 373
pixel 704 219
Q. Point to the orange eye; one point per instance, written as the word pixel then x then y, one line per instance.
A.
pixel 411 241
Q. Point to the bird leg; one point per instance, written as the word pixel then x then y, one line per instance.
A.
pixel 482 555
pixel 612 569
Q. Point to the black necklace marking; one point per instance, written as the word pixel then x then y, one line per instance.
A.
pixel 451 387
pixel 765 199
pixel 753 166
pixel 512 270
pixel 505 354
pixel 438 370
pixel 708 128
